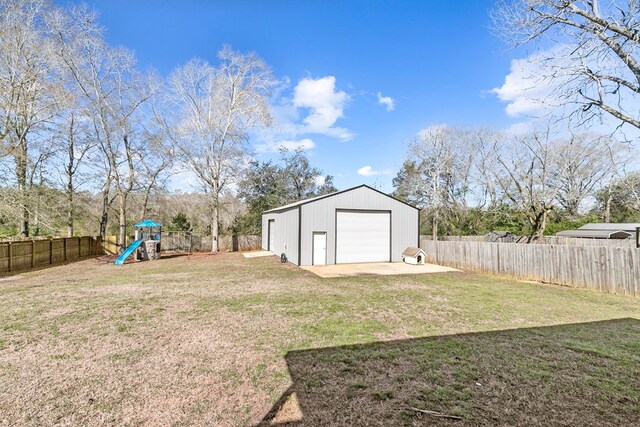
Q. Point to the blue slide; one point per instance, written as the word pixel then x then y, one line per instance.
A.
pixel 132 247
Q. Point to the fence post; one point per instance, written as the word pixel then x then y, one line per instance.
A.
pixel 10 252
pixel 50 251
pixel 79 247
pixel 33 254
pixel 65 248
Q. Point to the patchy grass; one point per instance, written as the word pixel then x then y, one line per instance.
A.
pixel 529 376
pixel 223 340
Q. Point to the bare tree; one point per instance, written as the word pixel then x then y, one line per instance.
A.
pixel 114 94
pixel 72 136
pixel 437 174
pixel 29 91
pixel 156 162
pixel 525 168
pixel 595 64
pixel 487 185
pixel 214 108
pixel 581 165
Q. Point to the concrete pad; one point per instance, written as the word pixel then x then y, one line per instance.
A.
pixel 374 269
pixel 257 254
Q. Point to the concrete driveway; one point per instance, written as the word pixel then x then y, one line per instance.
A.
pixel 374 269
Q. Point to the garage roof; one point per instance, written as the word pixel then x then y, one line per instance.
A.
pixel 612 226
pixel 596 234
pixel 313 199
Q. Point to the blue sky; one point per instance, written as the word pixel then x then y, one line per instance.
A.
pixel 437 61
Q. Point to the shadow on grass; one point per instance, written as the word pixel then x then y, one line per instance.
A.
pixel 584 374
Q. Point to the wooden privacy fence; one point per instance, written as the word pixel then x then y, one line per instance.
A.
pixel 546 240
pixel 27 254
pixel 606 269
pixel 198 243
pixel 228 243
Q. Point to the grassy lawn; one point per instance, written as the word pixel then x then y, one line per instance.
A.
pixel 223 340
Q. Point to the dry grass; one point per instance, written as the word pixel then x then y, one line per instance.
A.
pixel 221 340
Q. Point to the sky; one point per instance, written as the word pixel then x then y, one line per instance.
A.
pixel 358 79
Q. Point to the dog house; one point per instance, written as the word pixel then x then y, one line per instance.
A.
pixel 415 256
pixel 356 225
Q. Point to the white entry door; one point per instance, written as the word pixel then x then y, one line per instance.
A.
pixel 270 245
pixel 363 236
pixel 319 248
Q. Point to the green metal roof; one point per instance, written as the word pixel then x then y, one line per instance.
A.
pixel 148 223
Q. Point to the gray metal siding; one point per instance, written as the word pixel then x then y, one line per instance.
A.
pixel 320 215
pixel 284 233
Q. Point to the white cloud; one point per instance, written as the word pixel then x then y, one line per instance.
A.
pixel 325 104
pixel 525 90
pixel 367 171
pixel 550 81
pixel 311 107
pixel 388 102
pixel 319 180
pixel 274 146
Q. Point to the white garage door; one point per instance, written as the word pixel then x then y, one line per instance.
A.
pixel 363 237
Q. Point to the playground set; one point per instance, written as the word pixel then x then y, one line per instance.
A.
pixel 147 242
pixel 148 239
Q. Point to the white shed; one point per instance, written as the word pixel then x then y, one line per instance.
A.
pixel 357 225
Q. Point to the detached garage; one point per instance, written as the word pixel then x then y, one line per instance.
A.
pixel 357 225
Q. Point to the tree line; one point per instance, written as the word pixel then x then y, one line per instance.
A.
pixel 472 181
pixel 89 141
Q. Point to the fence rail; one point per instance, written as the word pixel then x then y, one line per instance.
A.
pixel 28 254
pixel 607 269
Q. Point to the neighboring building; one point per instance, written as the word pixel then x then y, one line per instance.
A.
pixel 360 224
pixel 608 230
pixel 501 236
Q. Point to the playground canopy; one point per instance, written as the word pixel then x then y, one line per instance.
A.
pixel 148 223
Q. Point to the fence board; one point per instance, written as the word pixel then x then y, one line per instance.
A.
pixel 4 256
pixel 604 268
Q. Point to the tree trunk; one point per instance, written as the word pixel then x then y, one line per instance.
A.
pixel 145 200
pixel 70 210
pixel 21 175
pixel 434 226
pixel 122 221
pixel 36 221
pixel 542 225
pixel 538 223
pixel 533 222
pixel 36 216
pixel 104 218
pixel 607 206
pixel 70 172
pixel 214 227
